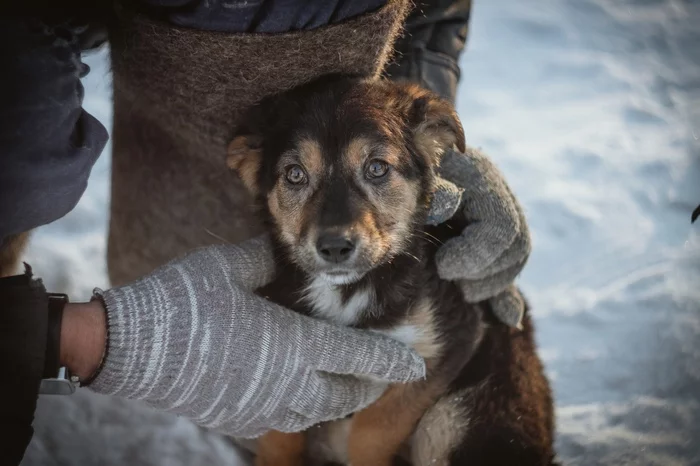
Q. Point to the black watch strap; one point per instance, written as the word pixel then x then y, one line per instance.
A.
pixel 56 379
pixel 52 362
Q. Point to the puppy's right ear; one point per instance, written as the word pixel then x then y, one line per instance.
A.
pixel 244 156
pixel 437 126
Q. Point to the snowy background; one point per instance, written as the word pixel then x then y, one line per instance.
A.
pixel 592 110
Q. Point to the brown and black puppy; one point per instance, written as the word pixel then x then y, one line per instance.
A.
pixel 343 170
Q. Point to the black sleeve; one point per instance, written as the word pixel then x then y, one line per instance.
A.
pixel 48 143
pixel 434 38
pixel 23 336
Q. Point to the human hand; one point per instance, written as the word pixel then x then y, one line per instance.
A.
pixel 193 338
pixel 493 249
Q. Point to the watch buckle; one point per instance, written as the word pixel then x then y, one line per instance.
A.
pixel 63 384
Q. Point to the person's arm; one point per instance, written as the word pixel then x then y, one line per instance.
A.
pixel 48 143
pixel 83 338
pixel 193 339
pixel 434 38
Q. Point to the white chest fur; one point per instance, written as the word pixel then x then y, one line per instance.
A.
pixel 417 330
pixel 327 303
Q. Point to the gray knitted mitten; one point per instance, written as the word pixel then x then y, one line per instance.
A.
pixel 489 254
pixel 192 338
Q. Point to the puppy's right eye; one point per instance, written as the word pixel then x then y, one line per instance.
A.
pixel 296 175
pixel 377 169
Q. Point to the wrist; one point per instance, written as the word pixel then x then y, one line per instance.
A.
pixel 83 338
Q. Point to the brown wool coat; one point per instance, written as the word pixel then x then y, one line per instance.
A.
pixel 178 94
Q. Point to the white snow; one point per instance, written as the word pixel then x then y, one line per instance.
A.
pixel 592 110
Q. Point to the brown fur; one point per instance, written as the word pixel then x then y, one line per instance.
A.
pixel 281 449
pixel 11 250
pixel 178 97
pixel 489 376
pixel 440 431
pixel 378 432
pixel 239 160
pixel 310 155
pixel 423 317
pixel 385 211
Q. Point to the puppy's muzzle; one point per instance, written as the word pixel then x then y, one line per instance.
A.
pixel 335 248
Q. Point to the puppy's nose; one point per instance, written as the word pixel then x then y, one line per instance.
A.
pixel 335 248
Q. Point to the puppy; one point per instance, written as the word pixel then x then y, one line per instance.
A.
pixel 343 170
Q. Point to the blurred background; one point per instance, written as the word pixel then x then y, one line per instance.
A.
pixel 592 110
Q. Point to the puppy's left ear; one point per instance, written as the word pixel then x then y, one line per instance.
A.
pixel 436 125
pixel 244 156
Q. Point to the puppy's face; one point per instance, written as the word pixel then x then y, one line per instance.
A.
pixel 345 169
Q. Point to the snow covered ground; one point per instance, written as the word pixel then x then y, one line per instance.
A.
pixel 592 110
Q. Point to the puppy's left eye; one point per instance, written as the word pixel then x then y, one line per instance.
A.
pixel 296 175
pixel 377 168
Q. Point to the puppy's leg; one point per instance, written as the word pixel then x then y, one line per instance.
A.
pixel 280 449
pixel 442 429
pixel 377 432
pixel 11 249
